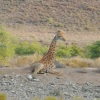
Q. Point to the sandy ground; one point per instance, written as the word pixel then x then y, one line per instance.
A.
pixel 79 75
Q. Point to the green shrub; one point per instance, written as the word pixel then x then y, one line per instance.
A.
pixel 7 44
pixel 93 50
pixel 70 51
pixel 2 96
pixel 27 48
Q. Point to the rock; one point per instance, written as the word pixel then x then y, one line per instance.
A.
pixel 52 84
pixel 18 87
pixel 58 65
pixel 29 77
pixel 5 76
pixel 36 79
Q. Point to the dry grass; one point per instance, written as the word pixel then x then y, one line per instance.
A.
pixel 3 96
pixel 78 98
pixel 49 98
pixel 97 62
pixel 60 98
pixel 22 61
pixel 75 62
pixel 4 63
pixel 78 62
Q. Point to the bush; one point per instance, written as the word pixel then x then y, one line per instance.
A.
pixel 93 50
pixel 7 44
pixel 2 96
pixel 78 62
pixel 27 48
pixel 69 51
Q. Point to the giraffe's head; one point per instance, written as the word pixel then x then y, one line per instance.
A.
pixel 60 35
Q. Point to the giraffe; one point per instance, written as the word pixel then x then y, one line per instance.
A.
pixel 46 64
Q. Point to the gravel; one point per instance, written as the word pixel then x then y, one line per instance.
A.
pixel 20 87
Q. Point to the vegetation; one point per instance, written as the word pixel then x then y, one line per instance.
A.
pixel 70 51
pixel 7 45
pixel 79 62
pixel 26 48
pixel 56 98
pixel 71 55
pixel 93 50
pixel 60 98
pixel 3 96
pixel 50 98
pixel 78 98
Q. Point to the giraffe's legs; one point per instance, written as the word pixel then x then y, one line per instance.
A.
pixel 54 71
pixel 36 67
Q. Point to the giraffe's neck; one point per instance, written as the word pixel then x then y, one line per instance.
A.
pixel 53 46
pixel 51 52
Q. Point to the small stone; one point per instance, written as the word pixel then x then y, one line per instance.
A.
pixel 17 76
pixel 57 78
pixel 36 79
pixel 12 91
pixel 21 84
pixel 52 84
pixel 5 76
pixel 29 77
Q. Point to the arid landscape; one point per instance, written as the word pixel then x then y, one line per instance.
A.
pixel 27 28
pixel 74 15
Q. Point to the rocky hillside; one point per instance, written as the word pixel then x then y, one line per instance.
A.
pixel 71 15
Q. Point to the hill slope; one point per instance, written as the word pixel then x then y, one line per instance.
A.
pixel 72 15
